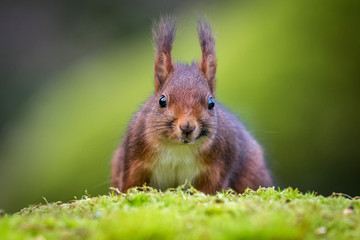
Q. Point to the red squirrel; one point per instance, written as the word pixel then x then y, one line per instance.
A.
pixel 182 134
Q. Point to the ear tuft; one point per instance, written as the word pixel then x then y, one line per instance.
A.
pixel 163 37
pixel 207 44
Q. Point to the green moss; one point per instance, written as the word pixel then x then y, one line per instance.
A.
pixel 145 213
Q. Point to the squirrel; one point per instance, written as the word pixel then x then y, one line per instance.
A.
pixel 182 134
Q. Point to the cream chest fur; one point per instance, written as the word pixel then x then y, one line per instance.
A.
pixel 175 165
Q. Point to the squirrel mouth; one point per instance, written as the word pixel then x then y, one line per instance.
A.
pixel 187 140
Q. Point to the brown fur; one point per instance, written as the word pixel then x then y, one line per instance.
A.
pixel 228 156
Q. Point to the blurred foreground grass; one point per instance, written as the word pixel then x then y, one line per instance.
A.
pixel 145 213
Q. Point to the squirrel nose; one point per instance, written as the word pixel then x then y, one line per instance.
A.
pixel 187 128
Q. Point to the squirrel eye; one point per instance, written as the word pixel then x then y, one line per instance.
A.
pixel 211 103
pixel 162 101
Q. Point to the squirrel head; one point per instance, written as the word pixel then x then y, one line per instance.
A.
pixel 184 98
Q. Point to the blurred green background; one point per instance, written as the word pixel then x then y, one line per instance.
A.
pixel 73 73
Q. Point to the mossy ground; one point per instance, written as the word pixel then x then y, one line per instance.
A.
pixel 145 213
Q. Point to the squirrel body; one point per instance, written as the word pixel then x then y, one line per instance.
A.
pixel 181 135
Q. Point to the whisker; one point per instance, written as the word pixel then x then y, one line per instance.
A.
pixel 220 137
pixel 143 134
pixel 107 182
pixel 153 126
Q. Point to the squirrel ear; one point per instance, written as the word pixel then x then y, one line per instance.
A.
pixel 163 37
pixel 208 59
